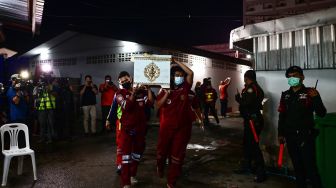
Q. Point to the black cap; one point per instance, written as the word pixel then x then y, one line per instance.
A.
pixel 250 74
pixel 293 69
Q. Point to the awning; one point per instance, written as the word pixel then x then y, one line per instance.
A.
pixel 293 23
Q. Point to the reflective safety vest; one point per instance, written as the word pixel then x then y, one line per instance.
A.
pixel 209 97
pixel 119 114
pixel 46 101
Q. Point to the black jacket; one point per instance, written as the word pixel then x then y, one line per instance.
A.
pixel 251 99
pixel 297 111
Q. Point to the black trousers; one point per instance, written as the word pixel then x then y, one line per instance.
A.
pixel 105 112
pixel 251 149
pixel 211 107
pixel 301 150
pixel 223 107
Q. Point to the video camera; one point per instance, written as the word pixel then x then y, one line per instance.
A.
pixel 21 83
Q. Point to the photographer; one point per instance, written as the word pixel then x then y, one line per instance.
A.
pixel 107 90
pixel 88 93
pixel 45 106
pixel 18 101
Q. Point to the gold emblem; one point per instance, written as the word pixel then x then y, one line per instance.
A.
pixel 152 72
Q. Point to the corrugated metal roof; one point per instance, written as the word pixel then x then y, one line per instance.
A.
pixel 293 23
pixel 14 9
pixel 22 12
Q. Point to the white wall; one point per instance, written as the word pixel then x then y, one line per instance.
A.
pixel 274 82
pixel 81 46
pixel 217 75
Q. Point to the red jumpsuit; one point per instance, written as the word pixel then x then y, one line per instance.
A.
pixel 175 132
pixel 119 153
pixel 131 142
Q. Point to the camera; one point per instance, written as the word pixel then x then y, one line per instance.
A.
pixel 109 82
pixel 23 85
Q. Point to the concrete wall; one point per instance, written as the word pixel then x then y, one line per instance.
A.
pixel 81 46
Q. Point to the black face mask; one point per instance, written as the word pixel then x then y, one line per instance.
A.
pixel 126 85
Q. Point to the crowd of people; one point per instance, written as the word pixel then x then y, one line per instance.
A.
pixel 126 108
pixel 46 106
pixel 179 107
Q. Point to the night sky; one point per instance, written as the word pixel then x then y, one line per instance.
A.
pixel 184 23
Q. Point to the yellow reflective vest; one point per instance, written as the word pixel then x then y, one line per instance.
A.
pixel 46 101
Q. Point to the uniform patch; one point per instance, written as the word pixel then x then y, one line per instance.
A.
pixel 168 101
pixel 287 96
pixel 141 103
pixel 182 97
pixel 303 96
pixel 250 90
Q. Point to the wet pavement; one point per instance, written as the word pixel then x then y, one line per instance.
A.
pixel 212 156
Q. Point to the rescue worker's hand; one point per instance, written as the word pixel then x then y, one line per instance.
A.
pixel 166 91
pixel 281 140
pixel 313 92
pixel 136 89
pixel 107 125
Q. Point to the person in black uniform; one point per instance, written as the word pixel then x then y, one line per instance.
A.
pixel 296 126
pixel 209 96
pixel 250 104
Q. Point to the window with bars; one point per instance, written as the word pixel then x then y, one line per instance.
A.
pixel 56 62
pixel 312 48
pixel 111 58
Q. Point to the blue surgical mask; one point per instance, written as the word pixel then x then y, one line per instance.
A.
pixel 179 80
pixel 293 81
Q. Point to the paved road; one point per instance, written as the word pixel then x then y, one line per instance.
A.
pixel 89 162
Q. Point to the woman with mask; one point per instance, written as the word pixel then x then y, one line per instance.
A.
pixel 175 122
pixel 132 118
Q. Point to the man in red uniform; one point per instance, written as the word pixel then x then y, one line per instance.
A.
pixel 107 90
pixel 131 104
pixel 223 95
pixel 175 123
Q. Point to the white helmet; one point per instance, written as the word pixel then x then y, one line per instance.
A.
pixel 15 77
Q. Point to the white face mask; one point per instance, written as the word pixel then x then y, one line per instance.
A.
pixel 179 80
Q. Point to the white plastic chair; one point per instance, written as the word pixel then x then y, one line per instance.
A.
pixel 13 129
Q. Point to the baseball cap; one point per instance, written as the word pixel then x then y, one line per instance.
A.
pixel 293 69
pixel 15 77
